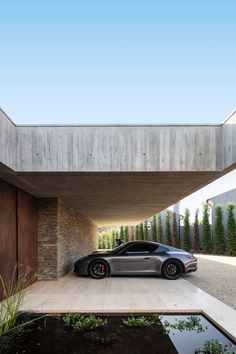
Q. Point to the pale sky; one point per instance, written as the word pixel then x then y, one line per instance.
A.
pixel 120 62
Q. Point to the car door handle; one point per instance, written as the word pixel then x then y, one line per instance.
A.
pixel 146 258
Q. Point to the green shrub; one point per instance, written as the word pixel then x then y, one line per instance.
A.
pixel 196 233
pixel 141 231
pixel 83 323
pixel 154 228
pixel 231 230
pixel 126 235
pixel 137 233
pixel 159 229
pixel 140 322
pixel 168 228
pixel 206 230
pixel 186 237
pixel 145 230
pixel 219 240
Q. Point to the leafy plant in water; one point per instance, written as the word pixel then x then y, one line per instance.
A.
pixel 140 321
pixel 193 323
pixel 83 323
pixel 214 347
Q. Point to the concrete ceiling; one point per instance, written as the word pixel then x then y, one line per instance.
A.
pixel 114 198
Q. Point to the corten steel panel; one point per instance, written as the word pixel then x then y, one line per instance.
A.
pixel 8 244
pixel 27 231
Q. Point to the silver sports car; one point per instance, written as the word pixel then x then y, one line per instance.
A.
pixel 138 258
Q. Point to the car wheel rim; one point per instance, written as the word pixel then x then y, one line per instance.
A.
pixel 99 269
pixel 172 269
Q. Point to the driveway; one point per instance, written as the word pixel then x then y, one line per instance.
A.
pixel 217 276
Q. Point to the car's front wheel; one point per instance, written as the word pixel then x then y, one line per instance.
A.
pixel 98 269
pixel 172 269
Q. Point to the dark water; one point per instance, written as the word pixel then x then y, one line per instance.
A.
pixel 187 341
pixel 49 336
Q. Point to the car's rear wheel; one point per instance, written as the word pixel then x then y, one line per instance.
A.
pixel 98 269
pixel 172 269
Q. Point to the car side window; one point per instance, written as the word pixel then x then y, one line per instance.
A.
pixel 140 248
pixel 161 249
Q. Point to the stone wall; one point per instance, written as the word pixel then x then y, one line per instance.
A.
pixel 77 238
pixel 63 236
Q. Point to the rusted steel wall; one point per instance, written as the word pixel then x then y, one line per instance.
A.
pixel 18 232
pixel 8 236
pixel 27 231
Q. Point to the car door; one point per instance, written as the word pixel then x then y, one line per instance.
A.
pixel 135 259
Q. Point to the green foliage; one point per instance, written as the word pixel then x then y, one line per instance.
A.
pixel 219 240
pixel 154 228
pixel 113 237
pixel 83 323
pixel 137 233
pixel 186 237
pixel 141 231
pixel 168 228
pixel 175 237
pixel 122 234
pixel 206 230
pixel 126 235
pixel 215 347
pixel 141 321
pixel 159 229
pixel 196 233
pixel 193 323
pixel 13 294
pixel 231 230
pixel 145 230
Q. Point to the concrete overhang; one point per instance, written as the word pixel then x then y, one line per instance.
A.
pixel 116 174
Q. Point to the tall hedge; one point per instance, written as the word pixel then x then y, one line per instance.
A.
pixel 196 233
pixel 206 230
pixel 113 238
pixel 154 228
pixel 168 228
pixel 186 237
pixel 159 229
pixel 122 234
pixel 126 236
pixel 231 230
pixel 141 231
pixel 175 235
pixel 219 239
pixel 137 233
pixel 145 230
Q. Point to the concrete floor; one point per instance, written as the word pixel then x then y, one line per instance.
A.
pixel 126 294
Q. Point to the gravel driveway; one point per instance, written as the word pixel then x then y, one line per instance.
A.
pixel 216 278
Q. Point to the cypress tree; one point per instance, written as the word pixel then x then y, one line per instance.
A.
pixel 168 228
pixel 131 233
pixel 141 231
pixel 154 228
pixel 122 235
pixel 175 236
pixel 206 230
pixel 186 236
pixel 231 231
pixel 113 238
pixel 126 234
pixel 145 230
pixel 137 233
pixel 196 233
pixel 159 229
pixel 219 239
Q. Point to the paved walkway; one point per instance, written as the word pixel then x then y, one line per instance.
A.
pixel 126 294
pixel 217 276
